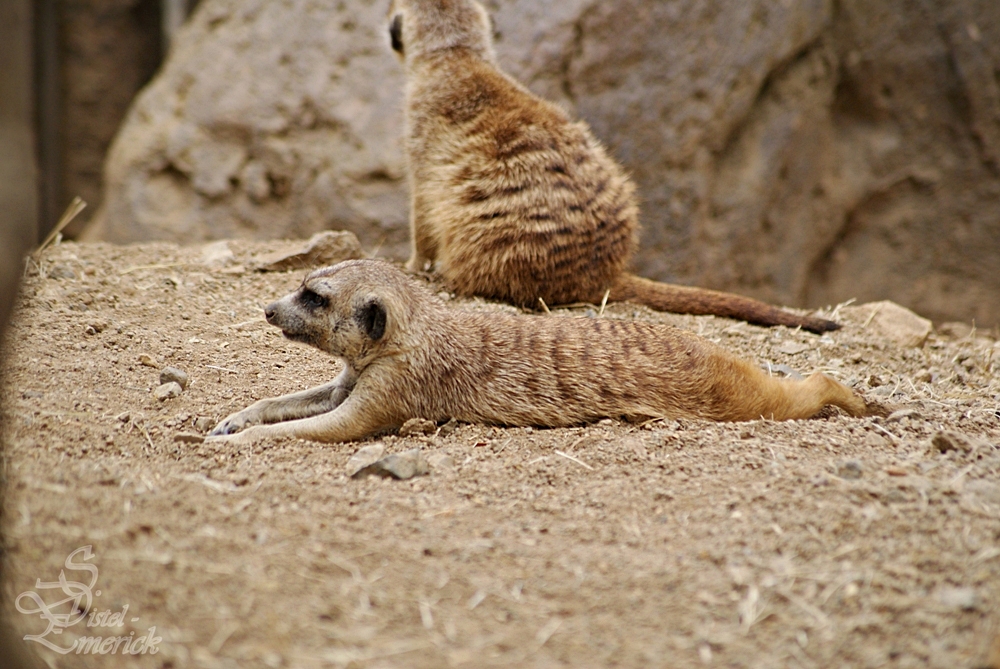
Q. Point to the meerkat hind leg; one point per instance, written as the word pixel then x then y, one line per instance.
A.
pixel 423 247
pixel 303 404
pixel 416 262
pixel 818 391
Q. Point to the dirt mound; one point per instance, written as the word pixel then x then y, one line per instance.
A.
pixel 824 542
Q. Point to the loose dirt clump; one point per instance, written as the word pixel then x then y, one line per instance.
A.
pixel 827 542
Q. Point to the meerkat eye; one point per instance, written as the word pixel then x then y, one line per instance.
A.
pixel 312 300
pixel 396 33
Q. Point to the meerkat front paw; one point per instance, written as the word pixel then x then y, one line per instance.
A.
pixel 235 423
pixel 244 438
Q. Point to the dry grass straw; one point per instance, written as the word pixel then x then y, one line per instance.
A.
pixel 604 302
pixel 574 459
pixel 72 211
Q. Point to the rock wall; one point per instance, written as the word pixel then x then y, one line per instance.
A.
pixel 805 153
pixel 269 119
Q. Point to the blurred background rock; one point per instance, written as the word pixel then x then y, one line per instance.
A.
pixel 801 152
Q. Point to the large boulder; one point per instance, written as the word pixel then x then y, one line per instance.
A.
pixel 269 119
pixel 801 152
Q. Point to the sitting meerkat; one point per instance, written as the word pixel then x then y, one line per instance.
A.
pixel 407 354
pixel 510 198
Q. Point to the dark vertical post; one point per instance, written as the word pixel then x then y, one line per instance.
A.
pixel 18 201
pixel 48 86
pixel 18 172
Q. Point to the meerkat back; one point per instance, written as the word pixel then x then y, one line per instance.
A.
pixel 511 199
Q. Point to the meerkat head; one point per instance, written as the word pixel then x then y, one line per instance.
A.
pixel 352 310
pixel 421 27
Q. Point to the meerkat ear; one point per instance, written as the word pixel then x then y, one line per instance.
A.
pixel 396 33
pixel 372 318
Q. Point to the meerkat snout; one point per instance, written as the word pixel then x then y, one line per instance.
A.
pixel 288 314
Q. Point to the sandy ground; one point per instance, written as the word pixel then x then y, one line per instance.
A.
pixel 822 543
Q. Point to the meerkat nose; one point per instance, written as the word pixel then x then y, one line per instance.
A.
pixel 269 313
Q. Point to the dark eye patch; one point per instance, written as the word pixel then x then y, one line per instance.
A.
pixel 312 300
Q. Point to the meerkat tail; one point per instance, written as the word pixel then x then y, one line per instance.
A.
pixel 702 301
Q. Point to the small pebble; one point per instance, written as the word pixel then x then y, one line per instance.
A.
pixel 168 391
pixel 947 440
pixel 32 395
pixel 203 423
pixel 894 496
pixel 323 248
pixel 147 360
pixel 401 466
pixel 96 326
pixel 61 271
pixel 448 428
pixel 793 348
pixel 899 324
pixel 366 456
pixel 217 254
pixel 417 426
pixel 179 376
pixel 849 469
pixel 188 438
pixel 787 371
pixel 901 414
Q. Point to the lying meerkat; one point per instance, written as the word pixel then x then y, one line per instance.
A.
pixel 406 354
pixel 510 198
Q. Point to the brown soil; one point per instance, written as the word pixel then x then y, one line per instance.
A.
pixel 828 542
